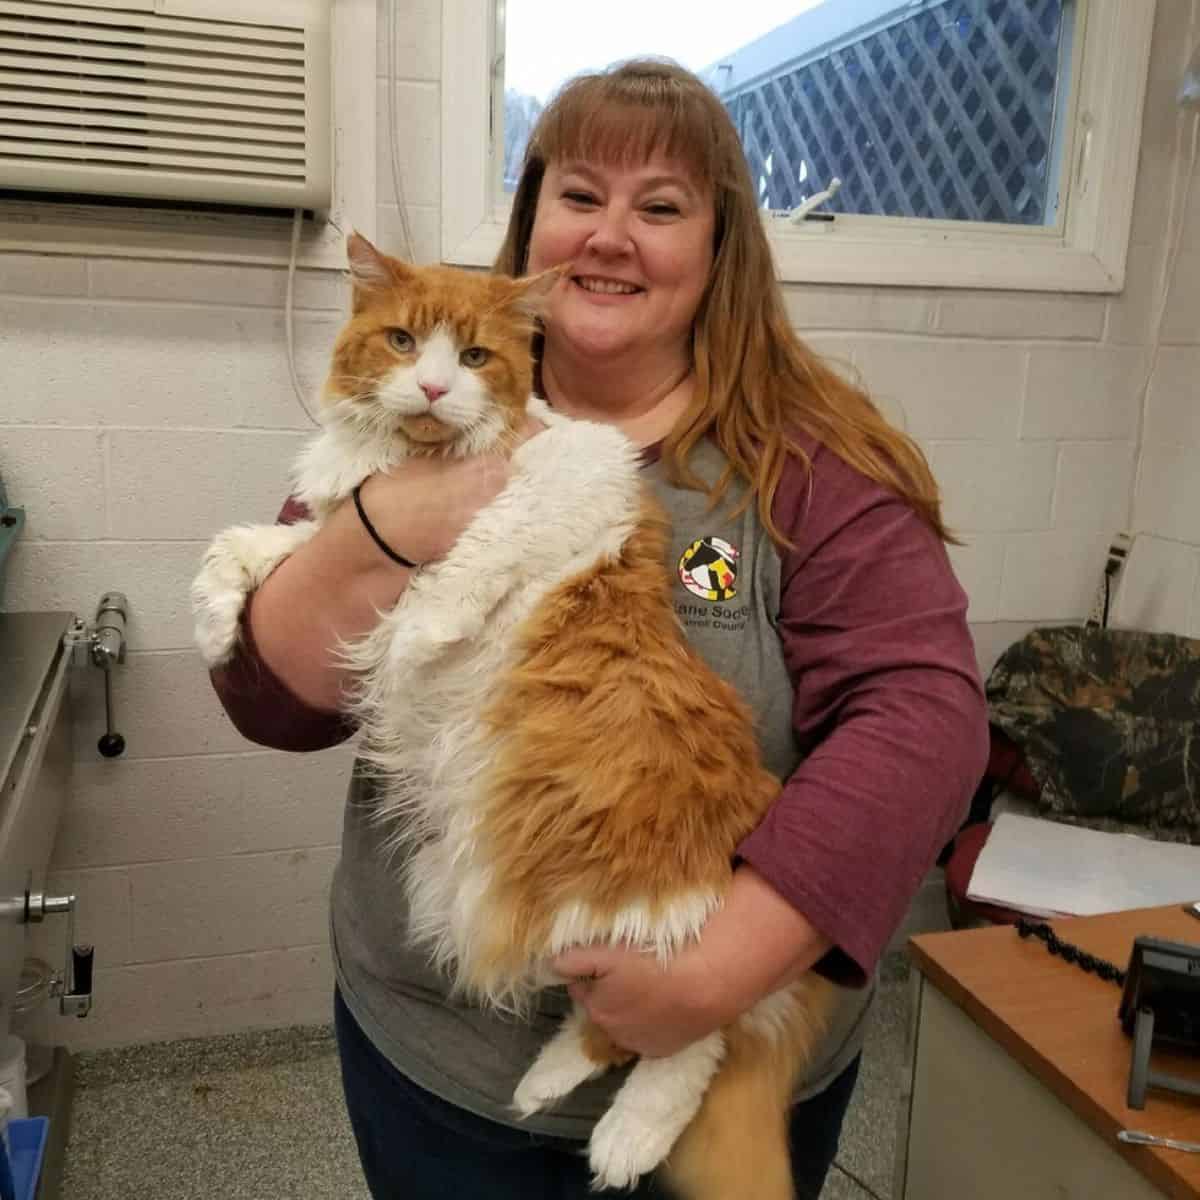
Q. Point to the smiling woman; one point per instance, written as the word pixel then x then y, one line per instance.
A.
pixel 802 561
pixel 639 243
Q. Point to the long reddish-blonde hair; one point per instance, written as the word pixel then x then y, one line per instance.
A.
pixel 757 384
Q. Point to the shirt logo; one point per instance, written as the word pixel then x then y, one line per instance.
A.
pixel 708 569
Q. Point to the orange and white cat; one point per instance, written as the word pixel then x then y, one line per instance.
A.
pixel 541 729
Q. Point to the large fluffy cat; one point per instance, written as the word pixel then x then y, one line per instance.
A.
pixel 542 730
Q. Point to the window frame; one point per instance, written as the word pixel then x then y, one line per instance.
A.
pixel 108 231
pixel 1086 252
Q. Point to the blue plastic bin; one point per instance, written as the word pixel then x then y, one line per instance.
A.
pixel 27 1145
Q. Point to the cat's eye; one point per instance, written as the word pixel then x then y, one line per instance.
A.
pixel 401 339
pixel 474 356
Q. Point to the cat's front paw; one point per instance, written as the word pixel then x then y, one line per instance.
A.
pixel 236 562
pixel 626 1145
pixel 551 1078
pixel 218 595
pixel 218 613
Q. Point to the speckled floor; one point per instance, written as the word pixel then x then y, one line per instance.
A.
pixel 260 1117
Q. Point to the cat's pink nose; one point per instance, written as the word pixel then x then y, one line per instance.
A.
pixel 433 391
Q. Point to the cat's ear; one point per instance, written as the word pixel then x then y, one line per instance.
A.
pixel 370 269
pixel 531 293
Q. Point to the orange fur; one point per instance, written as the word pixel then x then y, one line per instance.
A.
pixel 737 1144
pixel 600 1048
pixel 490 311
pixel 628 770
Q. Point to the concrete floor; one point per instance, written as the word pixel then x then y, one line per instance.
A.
pixel 259 1117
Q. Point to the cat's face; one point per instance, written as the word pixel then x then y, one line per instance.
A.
pixel 435 357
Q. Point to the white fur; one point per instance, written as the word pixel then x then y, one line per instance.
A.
pixel 559 1069
pixel 771 1017
pixel 236 562
pixel 653 1107
pixel 572 501
pixel 357 439
pixel 666 932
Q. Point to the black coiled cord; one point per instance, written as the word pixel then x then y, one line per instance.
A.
pixel 1069 953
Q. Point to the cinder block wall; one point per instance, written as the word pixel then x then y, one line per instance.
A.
pixel 147 404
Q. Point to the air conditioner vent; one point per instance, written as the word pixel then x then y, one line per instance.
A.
pixel 142 99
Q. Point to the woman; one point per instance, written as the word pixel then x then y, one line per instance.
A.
pixel 811 573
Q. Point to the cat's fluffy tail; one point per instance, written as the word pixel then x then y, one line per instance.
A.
pixel 737 1144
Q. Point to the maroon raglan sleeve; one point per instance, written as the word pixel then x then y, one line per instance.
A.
pixel 888 706
pixel 259 703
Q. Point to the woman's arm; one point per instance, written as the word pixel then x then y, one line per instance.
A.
pixel 889 706
pixel 284 685
pixel 753 945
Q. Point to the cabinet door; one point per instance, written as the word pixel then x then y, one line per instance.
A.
pixel 983 1126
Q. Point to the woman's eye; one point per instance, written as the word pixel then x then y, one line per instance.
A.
pixel 579 197
pixel 400 339
pixel 662 209
pixel 474 356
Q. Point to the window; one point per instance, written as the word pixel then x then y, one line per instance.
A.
pixel 981 143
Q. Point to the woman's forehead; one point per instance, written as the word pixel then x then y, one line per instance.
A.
pixel 654 171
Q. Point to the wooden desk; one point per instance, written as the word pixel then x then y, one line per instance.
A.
pixel 1020 1069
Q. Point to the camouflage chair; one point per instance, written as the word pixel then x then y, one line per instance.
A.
pixel 1108 722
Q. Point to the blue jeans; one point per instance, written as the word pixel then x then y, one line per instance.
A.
pixel 415 1146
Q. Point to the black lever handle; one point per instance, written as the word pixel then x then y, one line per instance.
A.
pixel 110 744
pixel 82 960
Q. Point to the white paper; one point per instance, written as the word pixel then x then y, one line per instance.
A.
pixel 1046 868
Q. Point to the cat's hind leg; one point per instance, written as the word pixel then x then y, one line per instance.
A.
pixel 653 1107
pixel 235 563
pixel 579 1051
pixel 737 1145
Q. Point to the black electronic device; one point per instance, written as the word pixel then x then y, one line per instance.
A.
pixel 1160 1008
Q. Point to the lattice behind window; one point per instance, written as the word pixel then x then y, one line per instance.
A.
pixel 947 113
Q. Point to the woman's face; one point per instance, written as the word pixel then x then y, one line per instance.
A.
pixel 639 244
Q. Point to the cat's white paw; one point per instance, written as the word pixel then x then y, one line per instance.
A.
pixel 236 562
pixel 627 1144
pixel 218 624
pixel 551 1078
pixel 654 1106
pixel 558 1070
pixel 218 595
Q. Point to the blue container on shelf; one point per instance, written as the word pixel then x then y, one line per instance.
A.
pixel 23 1167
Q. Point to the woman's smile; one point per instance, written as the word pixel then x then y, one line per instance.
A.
pixel 599 286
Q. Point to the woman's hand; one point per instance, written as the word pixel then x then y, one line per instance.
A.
pixel 422 507
pixel 648 1007
pixel 753 945
pixel 333 589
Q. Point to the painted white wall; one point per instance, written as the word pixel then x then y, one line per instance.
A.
pixel 147 404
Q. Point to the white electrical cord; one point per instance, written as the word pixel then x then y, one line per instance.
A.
pixel 1174 243
pixel 393 125
pixel 289 313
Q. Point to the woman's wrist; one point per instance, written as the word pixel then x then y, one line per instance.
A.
pixel 755 944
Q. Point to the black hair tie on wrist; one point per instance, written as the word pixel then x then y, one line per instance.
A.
pixel 362 516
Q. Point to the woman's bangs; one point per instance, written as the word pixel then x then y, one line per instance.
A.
pixel 625 132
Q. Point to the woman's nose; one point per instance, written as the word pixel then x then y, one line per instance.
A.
pixel 611 234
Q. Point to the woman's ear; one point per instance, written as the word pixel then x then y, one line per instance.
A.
pixel 370 269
